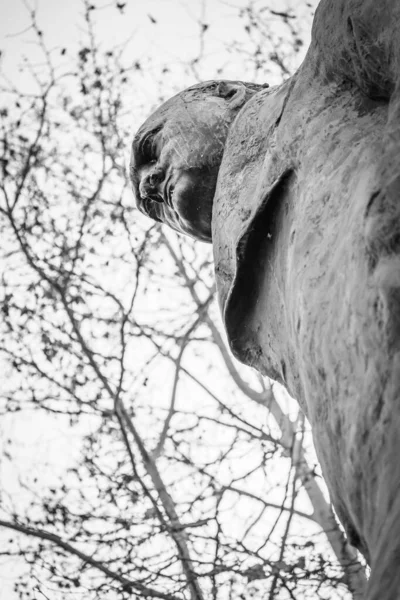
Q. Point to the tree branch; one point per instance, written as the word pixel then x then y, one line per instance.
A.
pixel 55 539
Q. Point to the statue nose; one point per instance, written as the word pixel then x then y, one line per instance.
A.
pixel 149 185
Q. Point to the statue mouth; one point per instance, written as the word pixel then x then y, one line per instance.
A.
pixel 169 190
pixel 150 208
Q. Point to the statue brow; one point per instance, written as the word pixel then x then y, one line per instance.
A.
pixel 148 136
pixel 137 155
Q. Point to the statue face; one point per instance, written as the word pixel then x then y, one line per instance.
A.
pixel 175 160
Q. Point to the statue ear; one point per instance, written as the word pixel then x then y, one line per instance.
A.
pixel 234 93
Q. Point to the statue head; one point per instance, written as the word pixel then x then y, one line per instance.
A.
pixel 177 152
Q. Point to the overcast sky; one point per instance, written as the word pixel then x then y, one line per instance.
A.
pixel 174 35
pixel 162 30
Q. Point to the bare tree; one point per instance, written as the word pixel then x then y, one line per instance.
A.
pixel 194 478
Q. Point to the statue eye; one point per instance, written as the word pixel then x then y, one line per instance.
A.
pixel 148 147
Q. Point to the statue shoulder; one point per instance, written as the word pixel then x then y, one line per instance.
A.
pixel 251 157
pixel 252 163
pixel 255 122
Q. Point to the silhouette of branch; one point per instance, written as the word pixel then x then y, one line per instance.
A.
pixel 58 541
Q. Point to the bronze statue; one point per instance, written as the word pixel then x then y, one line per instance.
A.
pixel 298 188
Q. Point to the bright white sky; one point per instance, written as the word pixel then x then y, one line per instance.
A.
pixel 173 38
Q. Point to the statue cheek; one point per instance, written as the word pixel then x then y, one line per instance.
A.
pixel 193 208
pixel 184 198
